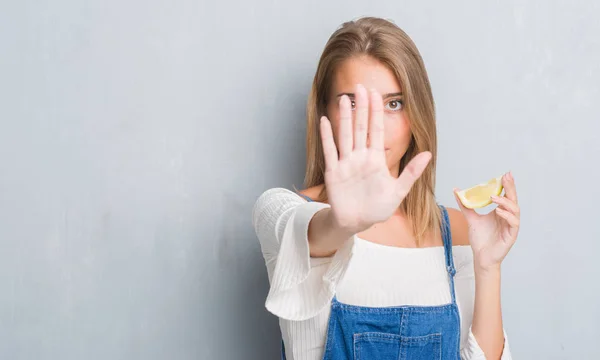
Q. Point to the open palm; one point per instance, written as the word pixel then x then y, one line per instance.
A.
pixel 360 189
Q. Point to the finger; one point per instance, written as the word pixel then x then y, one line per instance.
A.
pixel 345 134
pixel 468 213
pixel 361 122
pixel 511 219
pixel 329 149
pixel 508 182
pixel 507 204
pixel 411 173
pixel 376 121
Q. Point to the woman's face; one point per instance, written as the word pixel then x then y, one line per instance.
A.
pixel 372 74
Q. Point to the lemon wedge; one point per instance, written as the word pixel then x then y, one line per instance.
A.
pixel 478 196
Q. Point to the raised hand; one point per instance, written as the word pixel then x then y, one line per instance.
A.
pixel 360 188
pixel 493 235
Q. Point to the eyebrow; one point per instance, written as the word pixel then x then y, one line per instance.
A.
pixel 385 96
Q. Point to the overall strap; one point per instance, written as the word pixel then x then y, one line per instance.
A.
pixel 447 239
pixel 306 197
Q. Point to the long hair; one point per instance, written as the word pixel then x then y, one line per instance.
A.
pixel 387 43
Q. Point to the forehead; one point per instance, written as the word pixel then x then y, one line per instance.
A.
pixel 367 71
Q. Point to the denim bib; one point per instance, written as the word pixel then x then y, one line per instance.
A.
pixel 398 332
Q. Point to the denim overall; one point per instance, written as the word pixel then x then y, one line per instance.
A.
pixel 399 332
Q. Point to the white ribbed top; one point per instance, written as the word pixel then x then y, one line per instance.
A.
pixel 360 273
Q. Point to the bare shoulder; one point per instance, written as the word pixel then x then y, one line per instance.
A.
pixel 312 192
pixel 458 227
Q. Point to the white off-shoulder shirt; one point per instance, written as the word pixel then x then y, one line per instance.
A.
pixel 360 273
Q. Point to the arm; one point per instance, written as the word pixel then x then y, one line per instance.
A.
pixel 491 237
pixel 325 235
pixel 487 316
pixel 486 324
pixel 472 347
pixel 298 288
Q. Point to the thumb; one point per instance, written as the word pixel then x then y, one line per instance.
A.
pixel 468 213
pixel 411 172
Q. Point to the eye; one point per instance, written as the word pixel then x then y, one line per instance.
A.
pixel 352 104
pixel 394 105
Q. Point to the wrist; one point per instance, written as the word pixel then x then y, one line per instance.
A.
pixel 346 230
pixel 488 271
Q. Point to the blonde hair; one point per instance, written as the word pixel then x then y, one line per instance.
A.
pixel 386 42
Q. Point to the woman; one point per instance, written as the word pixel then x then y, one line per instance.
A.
pixel 363 263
